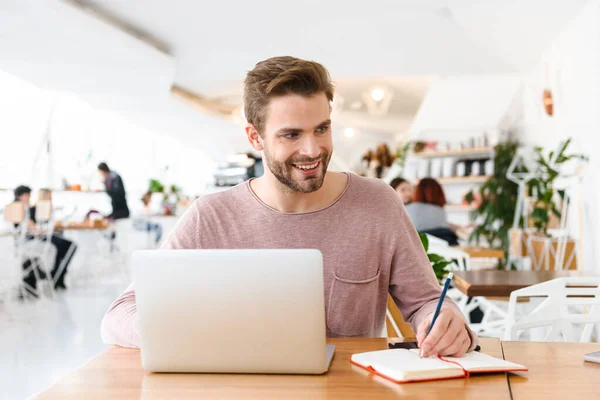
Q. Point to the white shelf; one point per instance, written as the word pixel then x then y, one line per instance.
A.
pixel 460 179
pixel 454 153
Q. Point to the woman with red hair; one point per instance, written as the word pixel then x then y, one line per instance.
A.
pixel 427 210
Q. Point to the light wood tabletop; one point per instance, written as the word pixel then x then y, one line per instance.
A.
pixel 82 226
pixel 556 370
pixel 482 252
pixel 503 283
pixel 117 374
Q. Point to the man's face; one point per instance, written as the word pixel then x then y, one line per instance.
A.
pixel 103 174
pixel 297 140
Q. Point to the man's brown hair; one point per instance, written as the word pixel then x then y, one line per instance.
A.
pixel 280 76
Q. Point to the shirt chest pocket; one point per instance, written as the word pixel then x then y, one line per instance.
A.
pixel 352 304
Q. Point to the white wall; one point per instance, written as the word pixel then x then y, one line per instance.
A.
pixel 456 108
pixel 571 69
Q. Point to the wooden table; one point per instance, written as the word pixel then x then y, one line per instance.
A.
pixel 502 283
pixel 482 252
pixel 117 374
pixel 556 370
pixel 81 226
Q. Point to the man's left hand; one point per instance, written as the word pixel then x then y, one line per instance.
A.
pixel 449 336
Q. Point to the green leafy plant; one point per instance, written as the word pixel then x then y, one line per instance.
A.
pixel 499 201
pixel 438 263
pixel 155 186
pixel 543 186
pixel 402 154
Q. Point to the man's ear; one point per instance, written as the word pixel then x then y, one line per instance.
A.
pixel 254 137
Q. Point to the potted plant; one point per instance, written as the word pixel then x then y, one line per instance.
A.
pixel 497 202
pixel 418 146
pixel 170 197
pixel 547 202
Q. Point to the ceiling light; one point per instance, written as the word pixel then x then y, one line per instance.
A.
pixel 377 94
pixel 349 132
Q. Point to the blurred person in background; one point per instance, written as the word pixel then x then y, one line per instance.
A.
pixel 427 211
pixel 143 222
pixel 116 190
pixel 403 188
pixel 23 195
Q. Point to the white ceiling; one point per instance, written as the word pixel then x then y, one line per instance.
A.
pixel 219 42
pixel 211 45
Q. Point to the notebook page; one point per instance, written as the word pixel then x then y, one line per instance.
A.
pixel 475 361
pixel 403 365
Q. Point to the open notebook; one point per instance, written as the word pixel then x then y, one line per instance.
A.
pixel 402 366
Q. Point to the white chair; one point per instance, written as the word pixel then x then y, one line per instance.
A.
pixel 569 304
pixel 41 248
pixel 438 246
pixel 36 247
pixel 493 320
pixel 14 214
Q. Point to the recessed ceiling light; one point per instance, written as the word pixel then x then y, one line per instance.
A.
pixel 349 132
pixel 377 94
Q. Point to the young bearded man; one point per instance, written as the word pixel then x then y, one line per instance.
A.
pixel 368 243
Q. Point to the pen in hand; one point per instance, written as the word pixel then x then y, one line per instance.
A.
pixel 439 306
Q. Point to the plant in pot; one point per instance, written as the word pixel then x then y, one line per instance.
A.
pixel 419 146
pixel 497 202
pixel 170 197
pixel 546 205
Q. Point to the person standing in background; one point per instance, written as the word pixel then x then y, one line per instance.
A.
pixel 116 190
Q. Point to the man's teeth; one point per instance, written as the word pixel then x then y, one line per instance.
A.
pixel 306 167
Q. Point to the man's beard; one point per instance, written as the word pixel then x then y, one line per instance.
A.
pixel 284 172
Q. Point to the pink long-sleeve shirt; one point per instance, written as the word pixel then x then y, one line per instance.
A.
pixel 368 243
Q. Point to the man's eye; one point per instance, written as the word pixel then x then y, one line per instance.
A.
pixel 322 129
pixel 291 136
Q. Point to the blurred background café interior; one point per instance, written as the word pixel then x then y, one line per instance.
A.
pixel 116 115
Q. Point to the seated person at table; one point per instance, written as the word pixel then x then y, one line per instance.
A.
pixel 427 211
pixel 62 246
pixel 403 188
pixel 361 227
pixel 23 195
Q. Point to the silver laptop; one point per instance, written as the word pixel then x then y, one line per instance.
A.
pixel 231 311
